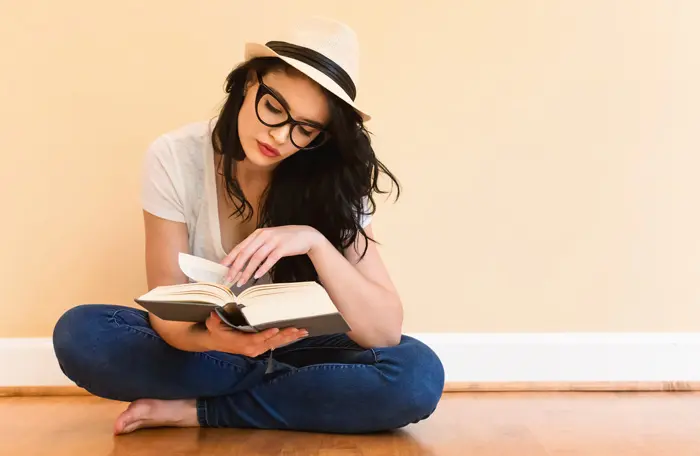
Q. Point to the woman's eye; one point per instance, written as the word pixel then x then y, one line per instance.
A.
pixel 269 106
pixel 305 132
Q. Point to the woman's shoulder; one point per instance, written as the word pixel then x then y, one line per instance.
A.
pixel 182 148
pixel 175 161
pixel 188 137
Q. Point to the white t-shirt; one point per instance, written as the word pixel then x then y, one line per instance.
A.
pixel 178 183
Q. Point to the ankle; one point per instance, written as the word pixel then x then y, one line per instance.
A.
pixel 188 415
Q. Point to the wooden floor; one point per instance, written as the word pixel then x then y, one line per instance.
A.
pixel 471 424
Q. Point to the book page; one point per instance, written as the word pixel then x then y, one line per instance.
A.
pixel 287 303
pixel 190 292
pixel 274 287
pixel 203 270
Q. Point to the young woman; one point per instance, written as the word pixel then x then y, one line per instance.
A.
pixel 278 187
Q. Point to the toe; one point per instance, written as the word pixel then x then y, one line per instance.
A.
pixel 121 423
pixel 131 427
pixel 130 418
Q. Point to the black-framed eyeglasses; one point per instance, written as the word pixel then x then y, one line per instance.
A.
pixel 273 112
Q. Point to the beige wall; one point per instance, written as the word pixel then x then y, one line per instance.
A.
pixel 549 151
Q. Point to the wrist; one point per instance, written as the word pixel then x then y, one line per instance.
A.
pixel 318 242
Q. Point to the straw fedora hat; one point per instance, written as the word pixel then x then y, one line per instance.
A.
pixel 325 50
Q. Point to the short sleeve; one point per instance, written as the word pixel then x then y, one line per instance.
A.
pixel 161 184
pixel 365 219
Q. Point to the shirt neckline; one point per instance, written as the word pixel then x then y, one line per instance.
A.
pixel 213 206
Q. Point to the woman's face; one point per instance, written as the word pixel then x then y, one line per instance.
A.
pixel 292 95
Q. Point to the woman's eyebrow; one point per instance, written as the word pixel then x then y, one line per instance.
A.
pixel 282 100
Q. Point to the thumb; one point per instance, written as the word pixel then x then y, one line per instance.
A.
pixel 213 321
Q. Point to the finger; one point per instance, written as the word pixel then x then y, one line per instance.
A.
pixel 292 335
pixel 290 338
pixel 230 283
pixel 247 252
pixel 271 260
pixel 263 336
pixel 231 275
pixel 259 256
pixel 273 341
pixel 228 259
pixel 286 336
pixel 244 255
pixel 213 321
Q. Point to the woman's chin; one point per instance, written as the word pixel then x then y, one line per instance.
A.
pixel 261 161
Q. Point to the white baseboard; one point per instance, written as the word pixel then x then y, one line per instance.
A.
pixel 30 362
pixel 484 358
pixel 567 357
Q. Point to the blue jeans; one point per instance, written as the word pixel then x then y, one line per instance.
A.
pixel 322 384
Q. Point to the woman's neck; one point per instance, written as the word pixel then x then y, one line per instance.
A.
pixel 248 174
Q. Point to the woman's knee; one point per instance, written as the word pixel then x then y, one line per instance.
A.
pixel 71 328
pixel 81 336
pixel 417 380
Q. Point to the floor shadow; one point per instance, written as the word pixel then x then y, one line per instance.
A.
pixel 212 442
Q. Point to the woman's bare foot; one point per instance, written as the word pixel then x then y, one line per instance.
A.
pixel 155 413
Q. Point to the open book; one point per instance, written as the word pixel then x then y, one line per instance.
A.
pixel 303 305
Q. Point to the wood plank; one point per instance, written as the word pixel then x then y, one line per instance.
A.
pixel 570 386
pixel 474 424
pixel 28 391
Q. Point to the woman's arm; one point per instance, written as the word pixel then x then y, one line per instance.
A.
pixel 164 240
pixel 362 290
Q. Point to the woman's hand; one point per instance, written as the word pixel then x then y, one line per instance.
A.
pixel 223 338
pixel 264 247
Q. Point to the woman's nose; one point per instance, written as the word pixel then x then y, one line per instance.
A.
pixel 280 134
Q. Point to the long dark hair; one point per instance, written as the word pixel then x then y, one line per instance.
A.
pixel 329 188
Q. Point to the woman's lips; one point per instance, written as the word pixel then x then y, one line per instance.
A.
pixel 268 150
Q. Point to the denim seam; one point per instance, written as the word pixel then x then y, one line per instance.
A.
pixel 202 412
pixel 317 367
pixel 321 348
pixel 113 319
pixel 220 362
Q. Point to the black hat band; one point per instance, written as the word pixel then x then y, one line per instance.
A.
pixel 318 61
